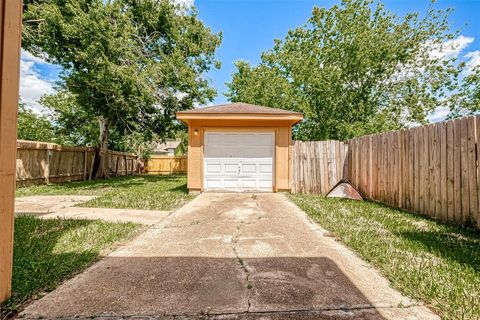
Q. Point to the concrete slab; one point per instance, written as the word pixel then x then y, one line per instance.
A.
pixel 47 204
pixel 147 217
pixel 231 256
pixel 53 207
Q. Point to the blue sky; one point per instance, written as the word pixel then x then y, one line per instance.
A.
pixel 249 28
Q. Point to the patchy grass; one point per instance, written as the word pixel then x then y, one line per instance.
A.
pixel 427 260
pixel 150 192
pixel 46 252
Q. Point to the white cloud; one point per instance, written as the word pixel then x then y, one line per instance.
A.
pixel 439 114
pixel 450 49
pixel 473 60
pixel 185 3
pixel 32 85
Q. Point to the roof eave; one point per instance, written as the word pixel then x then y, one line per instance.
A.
pixel 184 116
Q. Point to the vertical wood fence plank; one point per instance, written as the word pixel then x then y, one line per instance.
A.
pixel 477 143
pixel 457 171
pixel 450 171
pixel 465 194
pixel 442 171
pixel 472 172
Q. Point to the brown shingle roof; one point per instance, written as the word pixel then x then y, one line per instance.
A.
pixel 240 108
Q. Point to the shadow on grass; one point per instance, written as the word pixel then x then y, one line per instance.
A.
pixel 462 246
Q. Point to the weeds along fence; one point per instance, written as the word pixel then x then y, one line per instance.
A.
pixel 432 170
pixel 158 164
pixel 43 163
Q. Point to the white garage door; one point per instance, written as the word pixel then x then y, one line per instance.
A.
pixel 239 161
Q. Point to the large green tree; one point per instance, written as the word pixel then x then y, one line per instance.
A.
pixel 128 64
pixel 354 69
pixel 35 127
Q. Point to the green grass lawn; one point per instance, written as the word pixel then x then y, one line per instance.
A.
pixel 46 252
pixel 151 192
pixel 427 260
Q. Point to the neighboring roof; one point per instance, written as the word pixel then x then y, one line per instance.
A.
pixel 163 147
pixel 239 111
pixel 239 108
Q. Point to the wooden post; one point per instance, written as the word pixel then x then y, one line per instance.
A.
pixel 91 166
pixel 116 167
pixel 47 167
pixel 10 38
pixel 85 159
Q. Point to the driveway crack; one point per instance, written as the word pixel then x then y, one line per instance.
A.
pixel 242 264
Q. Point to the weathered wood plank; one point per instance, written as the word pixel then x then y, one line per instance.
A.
pixel 472 172
pixel 465 194
pixel 449 150
pixel 442 163
pixel 457 171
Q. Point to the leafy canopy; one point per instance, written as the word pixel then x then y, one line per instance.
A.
pixel 133 63
pixel 354 69
pixel 35 127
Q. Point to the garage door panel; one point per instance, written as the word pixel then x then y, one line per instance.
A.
pixel 265 183
pixel 213 183
pixel 249 184
pixel 230 183
pixel 245 159
pixel 265 168
pixel 214 168
pixel 231 168
pixel 248 168
pixel 231 139
pixel 214 138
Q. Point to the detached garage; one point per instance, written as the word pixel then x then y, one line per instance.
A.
pixel 239 147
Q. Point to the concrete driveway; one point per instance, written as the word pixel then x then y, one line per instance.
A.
pixel 230 256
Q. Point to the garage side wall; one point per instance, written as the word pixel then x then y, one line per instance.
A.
pixel 195 158
pixel 282 159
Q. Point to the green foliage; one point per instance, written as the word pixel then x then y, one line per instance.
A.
pixel 131 62
pixel 46 252
pixel 468 96
pixel 34 127
pixel 72 122
pixel 354 69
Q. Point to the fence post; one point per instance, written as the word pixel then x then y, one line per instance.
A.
pixel 10 39
pixel 46 171
pixel 85 159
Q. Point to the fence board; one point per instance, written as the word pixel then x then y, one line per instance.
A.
pixel 472 171
pixel 43 163
pixel 318 165
pixel 169 164
pixel 450 171
pixel 465 199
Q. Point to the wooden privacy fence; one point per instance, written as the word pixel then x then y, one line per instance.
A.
pixel 167 164
pixel 43 163
pixel 432 170
pixel 318 165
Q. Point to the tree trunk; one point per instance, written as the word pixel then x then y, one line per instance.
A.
pixel 102 150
